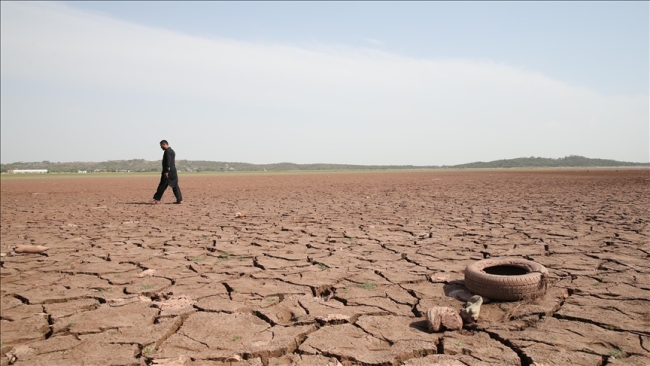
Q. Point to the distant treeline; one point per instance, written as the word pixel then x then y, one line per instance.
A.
pixel 141 165
pixel 572 161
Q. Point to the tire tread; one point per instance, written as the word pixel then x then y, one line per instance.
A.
pixel 508 288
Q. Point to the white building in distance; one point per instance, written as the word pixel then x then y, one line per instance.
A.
pixel 29 171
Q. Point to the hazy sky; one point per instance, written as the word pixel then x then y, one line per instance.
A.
pixel 422 83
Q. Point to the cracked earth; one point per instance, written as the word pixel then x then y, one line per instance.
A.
pixel 323 269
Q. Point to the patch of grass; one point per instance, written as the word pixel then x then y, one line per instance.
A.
pixel 236 338
pixel 104 290
pixel 616 353
pixel 147 287
pixel 351 241
pixel 298 316
pixel 458 344
pixel 241 259
pixel 322 266
pixel 368 285
pixel 271 299
pixel 146 351
pixel 596 283
pixel 70 325
pixel 197 259
pixel 66 262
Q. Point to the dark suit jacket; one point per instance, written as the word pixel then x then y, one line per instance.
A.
pixel 169 160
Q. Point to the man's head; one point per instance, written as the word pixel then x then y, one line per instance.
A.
pixel 164 144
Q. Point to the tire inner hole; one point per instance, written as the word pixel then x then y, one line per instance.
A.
pixel 506 270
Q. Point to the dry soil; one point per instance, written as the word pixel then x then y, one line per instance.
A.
pixel 322 269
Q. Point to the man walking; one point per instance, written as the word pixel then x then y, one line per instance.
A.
pixel 169 175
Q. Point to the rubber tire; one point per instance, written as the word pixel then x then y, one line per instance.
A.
pixel 506 288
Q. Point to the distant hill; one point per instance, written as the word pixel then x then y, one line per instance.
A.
pixel 141 165
pixel 572 161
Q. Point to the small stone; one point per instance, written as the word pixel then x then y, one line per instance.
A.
pixel 180 361
pixel 233 358
pixel 333 318
pixel 433 320
pixel 451 320
pixel 30 249
pixel 442 317
pixel 147 273
pixel 439 278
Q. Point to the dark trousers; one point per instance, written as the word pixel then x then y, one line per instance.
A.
pixel 172 181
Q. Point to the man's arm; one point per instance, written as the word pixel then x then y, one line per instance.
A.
pixel 168 159
pixel 171 157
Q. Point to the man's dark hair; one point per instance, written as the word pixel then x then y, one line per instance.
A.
pixel 164 142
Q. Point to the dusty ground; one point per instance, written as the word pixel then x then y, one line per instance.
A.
pixel 323 268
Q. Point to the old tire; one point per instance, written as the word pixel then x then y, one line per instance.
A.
pixel 508 279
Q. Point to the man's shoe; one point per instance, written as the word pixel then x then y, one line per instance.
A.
pixel 155 202
pixel 178 202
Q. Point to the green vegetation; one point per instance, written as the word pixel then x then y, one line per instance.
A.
pixel 141 165
pixel 146 351
pixel 368 285
pixel 616 353
pixel 236 338
pixel 271 299
pixel 322 266
pixel 147 287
